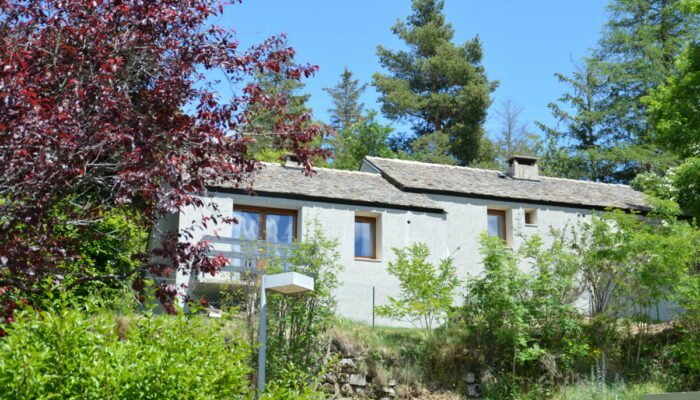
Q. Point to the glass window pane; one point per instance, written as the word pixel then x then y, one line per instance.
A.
pixel 364 239
pixel 496 225
pixel 248 226
pixel 279 228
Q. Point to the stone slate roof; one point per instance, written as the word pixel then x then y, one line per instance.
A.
pixel 334 186
pixel 417 177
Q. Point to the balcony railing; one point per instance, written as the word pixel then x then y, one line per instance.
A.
pixel 245 256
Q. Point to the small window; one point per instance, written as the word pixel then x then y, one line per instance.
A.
pixel 530 217
pixel 365 237
pixel 497 223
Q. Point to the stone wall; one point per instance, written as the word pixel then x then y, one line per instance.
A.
pixel 352 378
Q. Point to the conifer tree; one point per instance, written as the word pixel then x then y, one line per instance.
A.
pixel 436 85
pixel 280 89
pixel 580 131
pixel 608 138
pixel 636 53
pixel 347 110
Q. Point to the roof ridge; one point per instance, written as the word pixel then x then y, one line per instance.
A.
pixel 496 171
pixel 436 165
pixel 590 182
pixel 326 169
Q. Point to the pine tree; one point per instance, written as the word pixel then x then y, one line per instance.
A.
pixel 347 110
pixel 280 89
pixel 436 85
pixel 607 137
pixel 636 53
pixel 581 137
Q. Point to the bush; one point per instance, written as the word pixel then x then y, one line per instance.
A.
pixel 520 327
pixel 298 324
pixel 687 351
pixel 69 355
pixel 427 290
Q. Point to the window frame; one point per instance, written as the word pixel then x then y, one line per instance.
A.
pixel 503 214
pixel 373 224
pixel 263 212
pixel 531 214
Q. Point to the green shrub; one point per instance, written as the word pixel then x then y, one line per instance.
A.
pixel 427 290
pixel 298 324
pixel 69 354
pixel 687 350
pixel 520 329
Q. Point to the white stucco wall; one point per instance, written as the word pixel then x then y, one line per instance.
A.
pixel 452 234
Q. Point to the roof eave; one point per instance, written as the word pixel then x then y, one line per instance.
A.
pixel 332 200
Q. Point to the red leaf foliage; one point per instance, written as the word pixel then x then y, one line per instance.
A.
pixel 106 104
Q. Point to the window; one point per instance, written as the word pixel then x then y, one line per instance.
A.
pixel 497 223
pixel 269 224
pixel 530 217
pixel 365 237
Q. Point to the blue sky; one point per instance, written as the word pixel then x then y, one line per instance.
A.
pixel 524 42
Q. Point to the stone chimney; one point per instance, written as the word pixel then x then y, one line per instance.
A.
pixel 291 160
pixel 523 167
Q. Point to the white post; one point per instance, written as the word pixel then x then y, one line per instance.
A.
pixel 286 283
pixel 262 338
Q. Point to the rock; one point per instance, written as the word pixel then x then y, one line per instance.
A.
pixel 346 389
pixel 328 388
pixel 331 377
pixel 357 380
pixel 474 390
pixel 392 383
pixel 360 391
pixel 343 377
pixel 388 391
pixel 347 363
pixel 470 377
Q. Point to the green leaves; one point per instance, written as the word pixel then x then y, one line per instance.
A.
pixel 427 290
pixel 364 138
pixel 69 354
pixel 297 324
pixel 674 108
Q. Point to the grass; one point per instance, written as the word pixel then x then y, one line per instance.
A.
pixel 393 353
pixel 592 390
pixel 380 339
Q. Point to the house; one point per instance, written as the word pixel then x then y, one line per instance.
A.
pixel 394 203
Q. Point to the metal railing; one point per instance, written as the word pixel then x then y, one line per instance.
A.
pixel 245 256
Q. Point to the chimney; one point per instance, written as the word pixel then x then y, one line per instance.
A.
pixel 291 160
pixel 523 167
